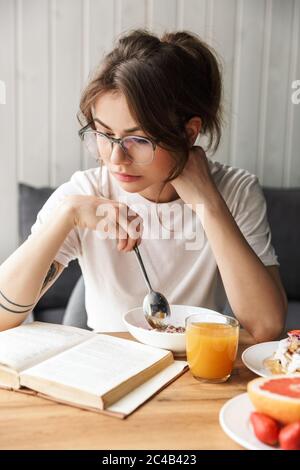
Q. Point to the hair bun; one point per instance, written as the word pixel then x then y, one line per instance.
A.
pixel 184 39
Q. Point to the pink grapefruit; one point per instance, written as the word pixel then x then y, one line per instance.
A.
pixel 277 396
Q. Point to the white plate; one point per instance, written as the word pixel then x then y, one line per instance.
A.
pixel 254 357
pixel 235 421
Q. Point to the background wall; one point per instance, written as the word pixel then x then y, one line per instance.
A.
pixel 48 48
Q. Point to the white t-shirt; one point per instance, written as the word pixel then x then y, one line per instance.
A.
pixel 179 264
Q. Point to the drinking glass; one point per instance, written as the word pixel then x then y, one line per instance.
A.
pixel 211 345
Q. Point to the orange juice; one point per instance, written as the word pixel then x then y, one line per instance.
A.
pixel 211 349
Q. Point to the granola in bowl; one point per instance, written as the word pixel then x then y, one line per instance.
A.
pixel 171 329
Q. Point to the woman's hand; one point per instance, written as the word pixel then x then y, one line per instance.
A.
pixel 113 218
pixel 195 184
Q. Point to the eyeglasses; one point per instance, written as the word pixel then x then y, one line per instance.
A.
pixel 139 150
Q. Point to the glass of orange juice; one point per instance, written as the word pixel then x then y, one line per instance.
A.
pixel 211 346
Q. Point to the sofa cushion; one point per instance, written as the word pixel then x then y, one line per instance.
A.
pixel 50 315
pixel 293 316
pixel 31 200
pixel 75 314
pixel 283 206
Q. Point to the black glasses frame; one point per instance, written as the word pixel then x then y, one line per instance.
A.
pixel 114 140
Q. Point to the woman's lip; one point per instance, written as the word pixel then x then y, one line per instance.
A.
pixel 126 177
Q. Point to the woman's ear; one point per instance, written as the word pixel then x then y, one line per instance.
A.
pixel 193 127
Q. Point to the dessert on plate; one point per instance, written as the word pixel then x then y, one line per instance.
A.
pixel 286 359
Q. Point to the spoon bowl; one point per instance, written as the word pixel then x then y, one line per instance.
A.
pixel 156 310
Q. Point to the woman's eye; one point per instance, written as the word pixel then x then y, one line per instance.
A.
pixel 103 132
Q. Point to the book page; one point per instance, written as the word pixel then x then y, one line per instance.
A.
pixel 28 344
pixel 98 365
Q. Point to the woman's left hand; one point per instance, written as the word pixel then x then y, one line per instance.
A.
pixel 195 184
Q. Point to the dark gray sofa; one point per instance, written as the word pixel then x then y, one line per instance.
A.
pixel 64 302
pixel 52 306
pixel 283 207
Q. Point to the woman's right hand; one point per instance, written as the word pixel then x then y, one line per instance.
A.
pixel 113 218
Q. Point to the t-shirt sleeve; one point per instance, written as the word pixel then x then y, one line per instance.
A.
pixel 71 247
pixel 251 217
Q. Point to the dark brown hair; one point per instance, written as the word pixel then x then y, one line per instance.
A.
pixel 166 81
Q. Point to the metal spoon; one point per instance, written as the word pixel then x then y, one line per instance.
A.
pixel 155 306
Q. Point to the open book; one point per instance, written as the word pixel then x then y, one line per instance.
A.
pixel 83 368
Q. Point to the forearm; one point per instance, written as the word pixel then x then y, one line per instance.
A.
pixel 252 292
pixel 23 274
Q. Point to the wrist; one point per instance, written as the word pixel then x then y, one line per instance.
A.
pixel 66 212
pixel 211 202
pixel 215 204
pixel 214 215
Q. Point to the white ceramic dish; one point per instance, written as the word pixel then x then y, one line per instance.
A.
pixel 235 421
pixel 139 328
pixel 254 356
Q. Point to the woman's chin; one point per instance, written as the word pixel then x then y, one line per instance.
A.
pixel 133 186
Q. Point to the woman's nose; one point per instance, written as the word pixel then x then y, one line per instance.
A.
pixel 118 155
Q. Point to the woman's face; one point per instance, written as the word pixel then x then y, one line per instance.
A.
pixel 112 110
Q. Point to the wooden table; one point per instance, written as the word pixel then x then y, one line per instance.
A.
pixel 185 415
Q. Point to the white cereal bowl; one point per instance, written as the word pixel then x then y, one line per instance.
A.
pixel 139 328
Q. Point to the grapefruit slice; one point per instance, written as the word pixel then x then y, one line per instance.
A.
pixel 278 396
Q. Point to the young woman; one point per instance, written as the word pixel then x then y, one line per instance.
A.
pixel 141 115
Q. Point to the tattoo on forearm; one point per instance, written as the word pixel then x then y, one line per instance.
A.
pixel 15 311
pixel 13 303
pixel 53 270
